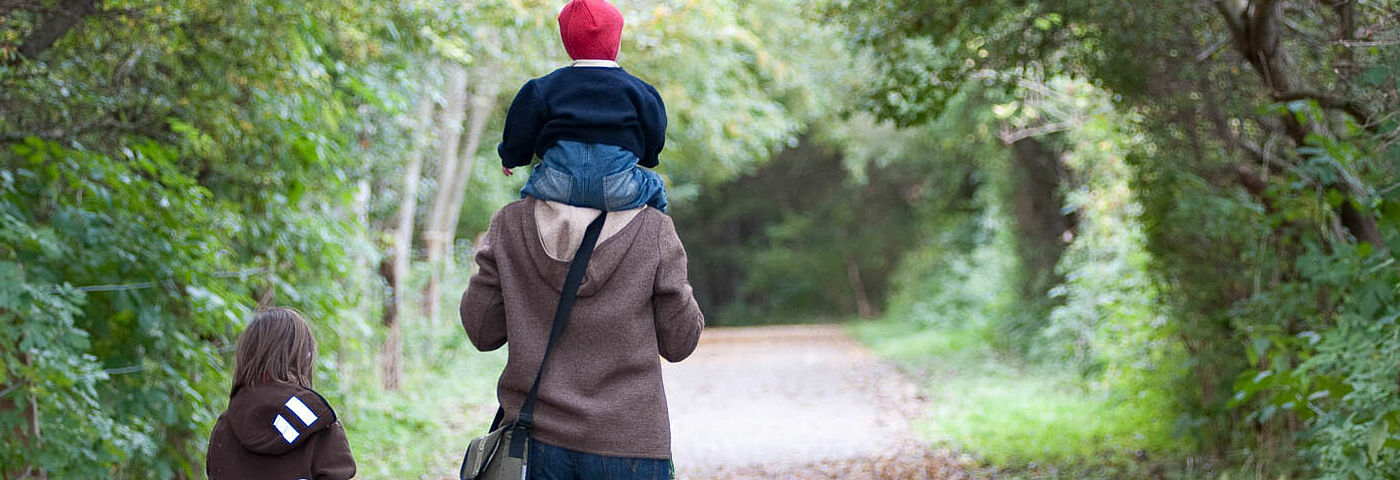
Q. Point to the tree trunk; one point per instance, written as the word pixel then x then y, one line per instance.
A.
pixel 450 134
pixel 1040 225
pixel 397 271
pixel 1258 37
pixel 29 432
pixel 268 298
pixel 483 105
pixel 392 363
pixel 858 287
pixel 445 215
pixel 31 415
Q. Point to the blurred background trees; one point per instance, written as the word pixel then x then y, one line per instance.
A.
pixel 1235 194
pixel 1190 207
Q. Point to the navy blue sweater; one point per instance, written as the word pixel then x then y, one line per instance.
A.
pixel 584 104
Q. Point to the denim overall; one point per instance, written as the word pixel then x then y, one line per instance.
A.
pixel 595 175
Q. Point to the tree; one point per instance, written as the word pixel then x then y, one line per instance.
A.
pixel 402 257
pixel 458 158
pixel 175 164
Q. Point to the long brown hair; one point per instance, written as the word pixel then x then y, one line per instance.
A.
pixel 277 347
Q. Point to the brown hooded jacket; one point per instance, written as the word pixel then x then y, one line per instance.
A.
pixel 278 431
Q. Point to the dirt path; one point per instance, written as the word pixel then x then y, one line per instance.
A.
pixel 795 402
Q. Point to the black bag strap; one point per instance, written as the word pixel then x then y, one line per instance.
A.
pixel 526 419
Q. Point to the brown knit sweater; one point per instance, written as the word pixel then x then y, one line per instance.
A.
pixel 602 390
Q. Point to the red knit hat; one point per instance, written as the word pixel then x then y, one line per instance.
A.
pixel 591 29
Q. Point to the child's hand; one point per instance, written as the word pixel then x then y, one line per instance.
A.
pixel 507 171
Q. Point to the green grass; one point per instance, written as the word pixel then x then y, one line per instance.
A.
pixel 447 396
pixel 1023 420
pixel 421 430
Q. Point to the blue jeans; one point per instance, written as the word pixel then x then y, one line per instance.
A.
pixel 548 462
pixel 595 175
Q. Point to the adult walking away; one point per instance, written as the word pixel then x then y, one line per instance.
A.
pixel 601 408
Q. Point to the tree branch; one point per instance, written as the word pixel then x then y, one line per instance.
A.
pixel 1336 102
pixel 7 5
pixel 1264 40
pixel 1210 51
pixel 1346 16
pixel 1233 19
pixel 1368 43
pixel 1272 162
pixel 59 133
pixel 1361 225
pixel 55 26
pixel 1253 182
pixel 1012 136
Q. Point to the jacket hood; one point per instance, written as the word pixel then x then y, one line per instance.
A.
pixel 555 230
pixel 276 418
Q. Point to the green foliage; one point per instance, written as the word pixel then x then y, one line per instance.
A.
pixel 927 50
pixel 799 238
pixel 134 381
pixel 836 218
pixel 448 395
pixel 1231 238
pixel 1104 365
pixel 198 163
pixel 1349 380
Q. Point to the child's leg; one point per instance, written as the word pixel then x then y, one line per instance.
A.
pixel 633 188
pixel 657 199
pixel 548 183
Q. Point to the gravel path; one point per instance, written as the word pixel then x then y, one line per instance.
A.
pixel 795 402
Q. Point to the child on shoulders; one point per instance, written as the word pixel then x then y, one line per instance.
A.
pixel 593 125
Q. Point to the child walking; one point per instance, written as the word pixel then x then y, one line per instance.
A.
pixel 276 426
pixel 592 124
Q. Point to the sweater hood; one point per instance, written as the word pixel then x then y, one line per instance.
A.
pixel 557 230
pixel 276 418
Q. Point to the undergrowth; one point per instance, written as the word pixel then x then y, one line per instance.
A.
pixel 1022 420
pixel 447 397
